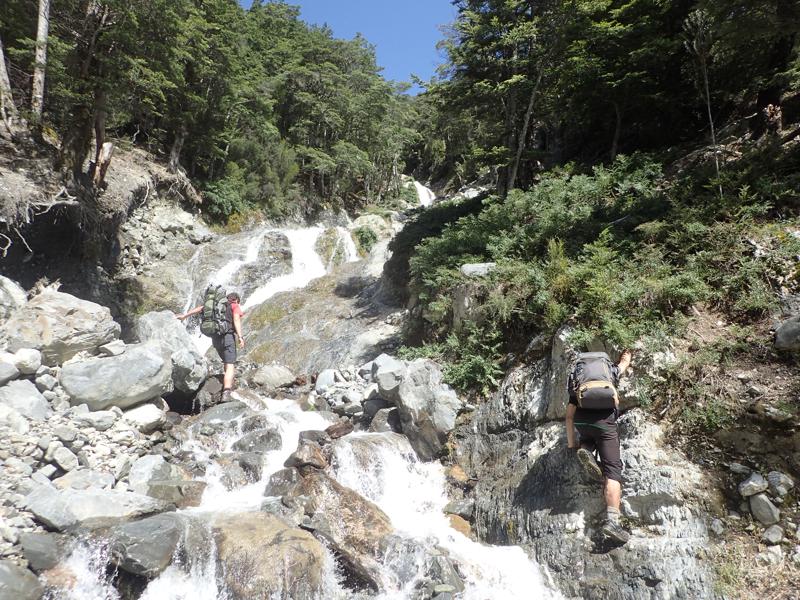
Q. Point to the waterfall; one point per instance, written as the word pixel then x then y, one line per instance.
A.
pixel 425 194
pixel 384 469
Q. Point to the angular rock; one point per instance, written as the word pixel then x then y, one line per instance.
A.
pixel 71 510
pixel 787 336
pixel 373 405
pixel 250 545
pixel 8 371
pixel 181 493
pixel 152 468
pixel 273 377
pixel 101 420
pixel 84 479
pixel 65 459
pixel 13 420
pixel 189 369
pixel 60 326
pixel 779 483
pixel 262 440
pixel 764 510
pixel 388 375
pixel 43 551
pixel 141 374
pixel 23 397
pixel 754 484
pixel 386 419
pixel 772 535
pixel 12 297
pixel 147 418
pixel 463 508
pixel 17 583
pixel 325 380
pixel 46 382
pixel 309 454
pixel 282 482
pixel 318 437
pixel 339 429
pixel 427 407
pixel 114 348
pixel 27 360
pixel 146 547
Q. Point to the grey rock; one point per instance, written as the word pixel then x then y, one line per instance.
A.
pixel 17 583
pixel 101 420
pixel 281 482
pixel 262 440
pixel 477 269
pixel 182 493
pixel 772 535
pixel 65 459
pixel 7 372
pixel 388 375
pixel 23 397
pixel 84 479
pixel 372 406
pixel 13 420
pixel 787 336
pixel 463 508
pixel 43 551
pixel 308 454
pixel 151 468
pixel 779 483
pixel 764 510
pixel 318 437
pixel 739 469
pixel 273 377
pixel 753 485
pixel 717 527
pixel 189 370
pixel 146 547
pixel 12 297
pixel 66 433
pixel 365 371
pixel 71 510
pixel 114 348
pixel 47 471
pixel 28 360
pixel 141 374
pixel 772 556
pixel 427 408
pixel 386 419
pixel 146 418
pixel 224 414
pixel 46 382
pixel 60 326
pixel 325 380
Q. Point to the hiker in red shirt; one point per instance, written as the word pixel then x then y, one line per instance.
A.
pixel 225 342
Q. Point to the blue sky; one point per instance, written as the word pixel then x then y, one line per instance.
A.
pixel 404 32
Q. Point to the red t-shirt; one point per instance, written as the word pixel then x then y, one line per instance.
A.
pixel 236 309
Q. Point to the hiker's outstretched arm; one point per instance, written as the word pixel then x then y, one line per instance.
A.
pixel 624 361
pixel 237 327
pixel 570 423
pixel 194 311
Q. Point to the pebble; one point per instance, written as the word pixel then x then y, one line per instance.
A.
pixel 772 535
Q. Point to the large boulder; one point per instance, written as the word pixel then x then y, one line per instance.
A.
pixel 356 529
pixel 23 397
pixel 43 550
pixel 189 369
pixel 146 547
pixel 388 372
pixel 427 408
pixel 787 336
pixel 141 374
pixel 60 326
pixel 12 297
pixel 263 557
pixel 273 377
pixel 17 583
pixel 72 510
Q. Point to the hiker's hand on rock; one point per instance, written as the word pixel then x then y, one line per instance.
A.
pixel 180 317
pixel 241 342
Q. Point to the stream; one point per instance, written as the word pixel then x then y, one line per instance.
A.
pixel 381 467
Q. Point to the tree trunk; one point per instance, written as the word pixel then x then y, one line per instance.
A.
pixel 102 162
pixel 512 176
pixel 175 151
pixel 704 69
pixel 40 65
pixel 617 130
pixel 8 110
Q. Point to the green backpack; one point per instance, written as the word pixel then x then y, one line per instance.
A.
pixel 216 320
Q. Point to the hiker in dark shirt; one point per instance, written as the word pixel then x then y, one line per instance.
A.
pixel 598 433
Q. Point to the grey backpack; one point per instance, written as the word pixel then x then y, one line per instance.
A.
pixel 216 319
pixel 593 381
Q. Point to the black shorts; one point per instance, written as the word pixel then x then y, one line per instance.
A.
pixel 225 345
pixel 602 435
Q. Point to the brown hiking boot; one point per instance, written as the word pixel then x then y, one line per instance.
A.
pixel 225 396
pixel 589 464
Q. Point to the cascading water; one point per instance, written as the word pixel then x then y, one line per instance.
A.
pixel 425 194
pixel 384 468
